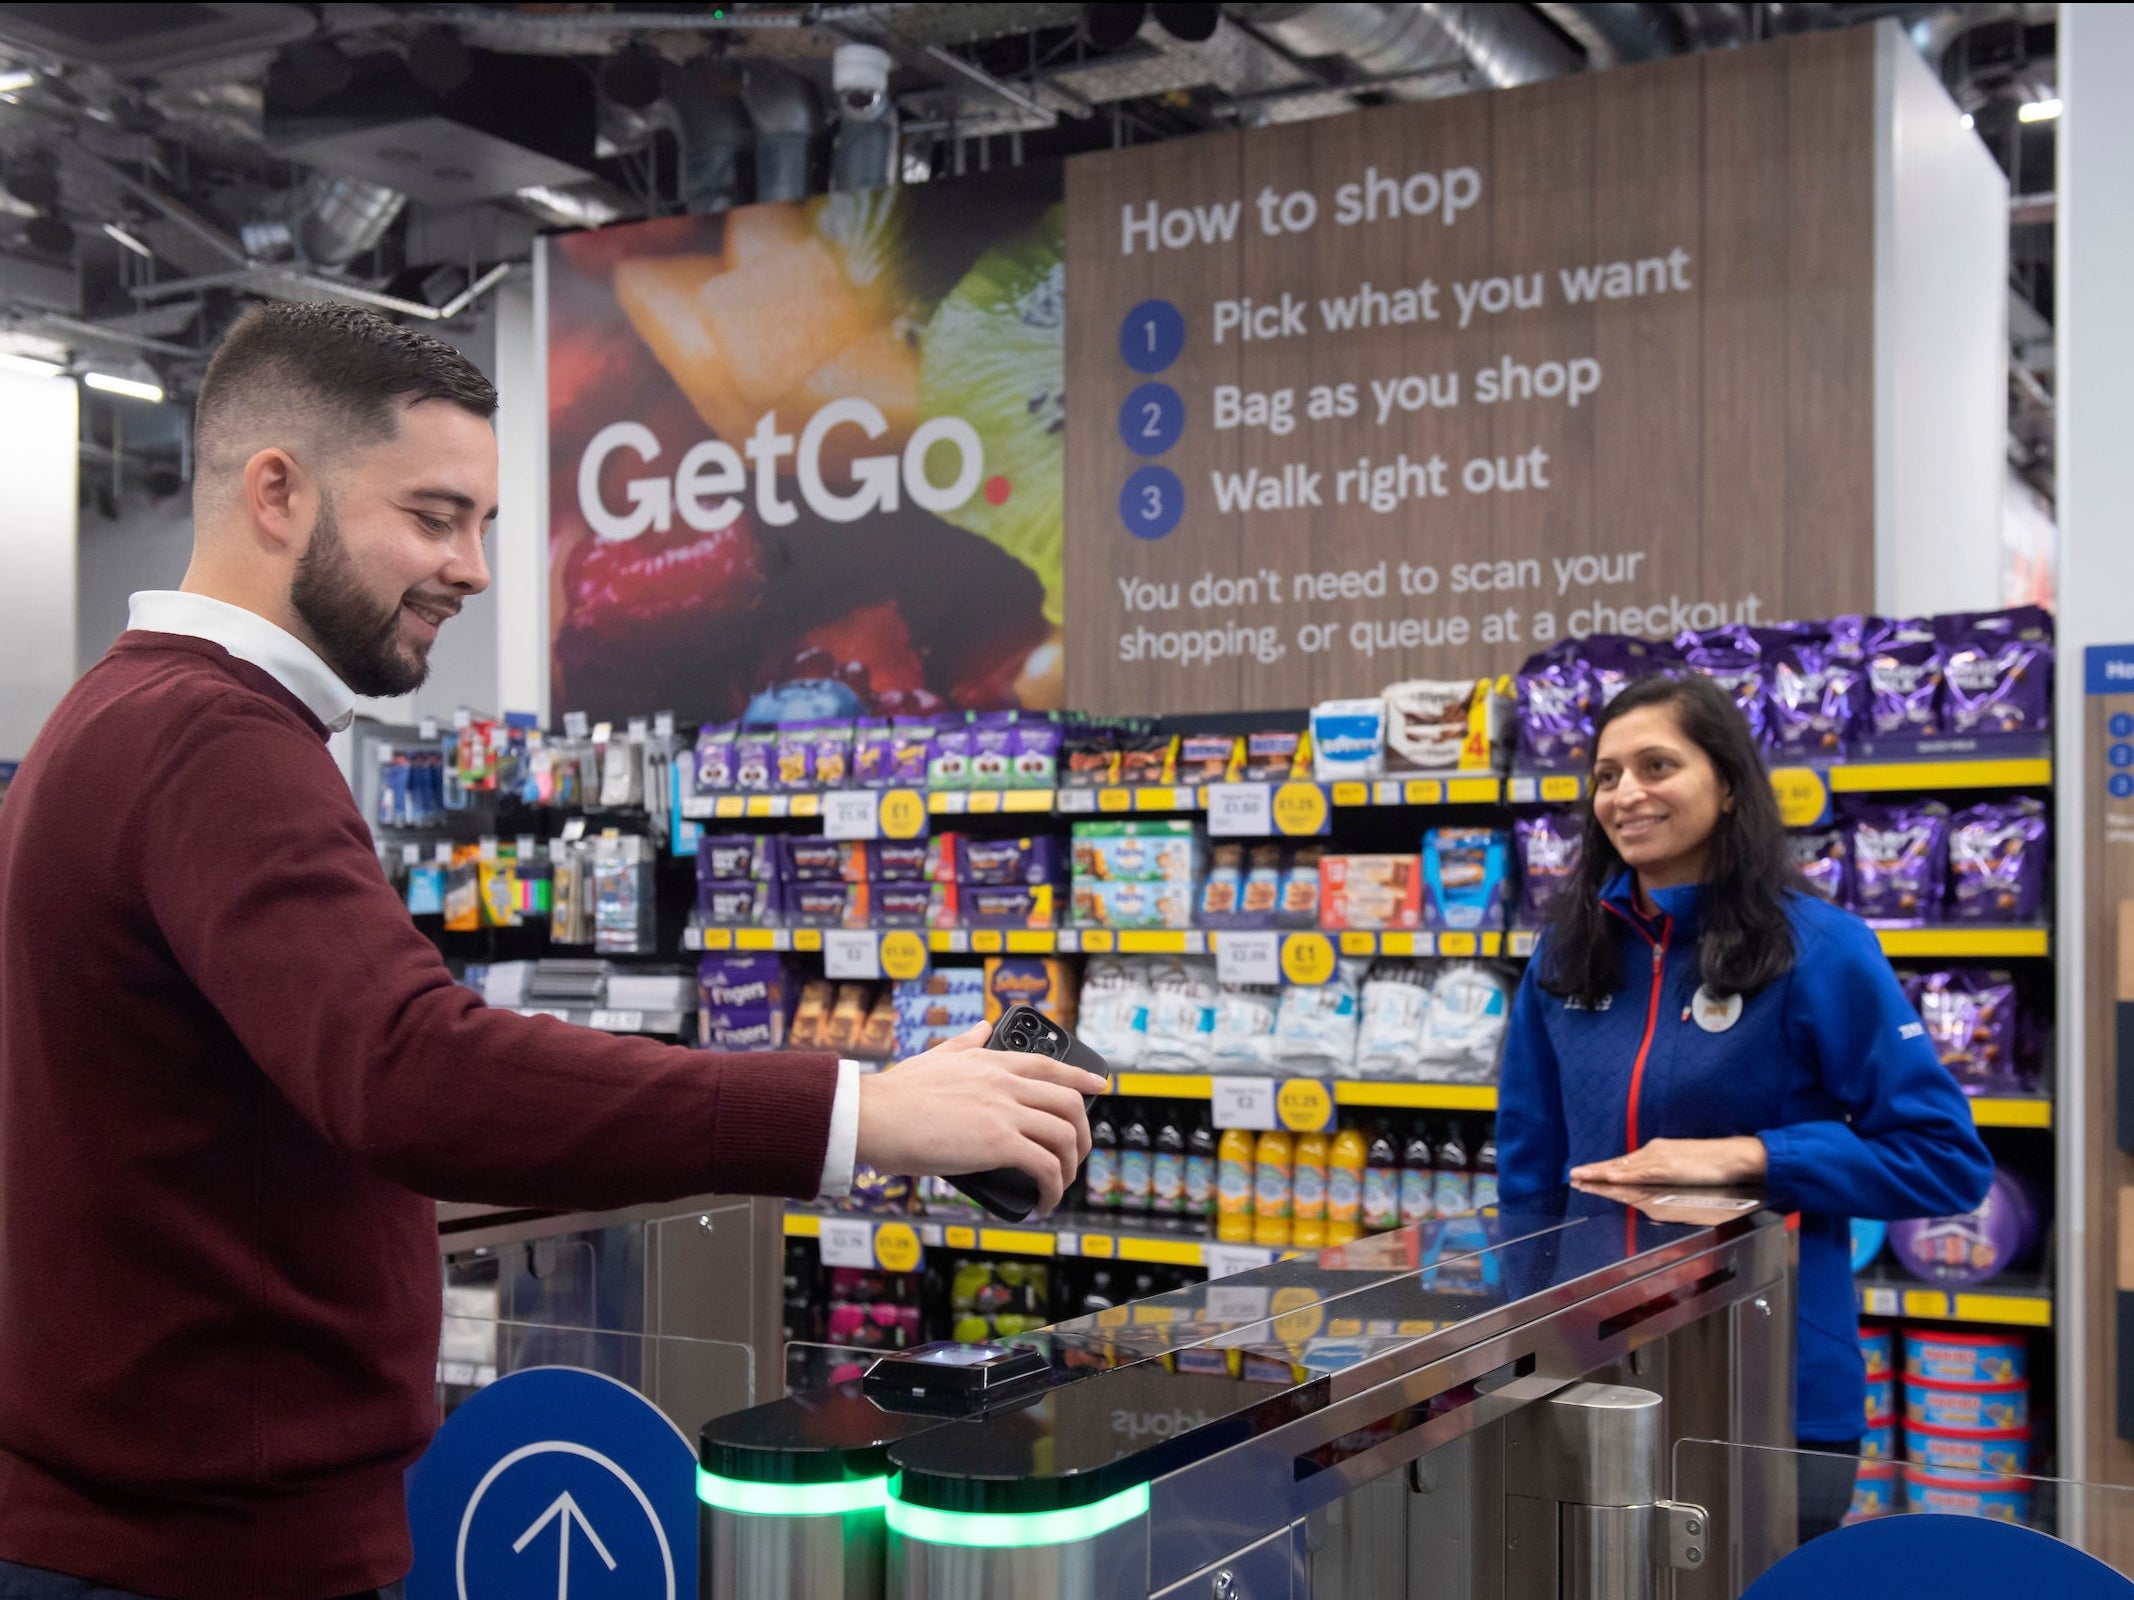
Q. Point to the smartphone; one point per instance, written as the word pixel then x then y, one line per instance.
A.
pixel 1009 1192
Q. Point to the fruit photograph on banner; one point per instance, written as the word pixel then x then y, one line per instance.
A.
pixel 806 458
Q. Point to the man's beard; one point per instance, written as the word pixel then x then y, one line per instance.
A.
pixel 361 645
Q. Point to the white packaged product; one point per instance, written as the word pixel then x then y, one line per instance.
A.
pixel 1463 1029
pixel 1244 1028
pixel 1426 722
pixel 1181 1025
pixel 1316 1024
pixel 1114 1018
pixel 1348 739
pixel 1389 1042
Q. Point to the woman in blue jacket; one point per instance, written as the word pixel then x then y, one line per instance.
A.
pixel 1691 1016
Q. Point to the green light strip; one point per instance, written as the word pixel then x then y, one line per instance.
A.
pixel 791 1499
pixel 1009 1530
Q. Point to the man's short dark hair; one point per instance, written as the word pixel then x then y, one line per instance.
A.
pixel 335 374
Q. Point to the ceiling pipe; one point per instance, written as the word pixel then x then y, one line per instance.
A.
pixel 787 117
pixel 1386 43
pixel 1612 35
pixel 702 108
pixel 1508 44
pixel 994 86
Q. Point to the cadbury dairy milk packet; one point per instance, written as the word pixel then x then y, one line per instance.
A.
pixel 755 759
pixel 1823 857
pixel 911 752
pixel 794 754
pixel 731 857
pixel 1970 1018
pixel 1903 678
pixel 1996 670
pixel 872 741
pixel 1555 690
pixel 948 763
pixel 1997 862
pixel 1731 658
pixel 1899 861
pixel 1037 754
pixel 1813 697
pixel 1614 661
pixel 993 746
pixel 1845 639
pixel 830 756
pixel 715 759
pixel 1549 848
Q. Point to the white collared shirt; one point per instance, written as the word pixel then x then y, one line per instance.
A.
pixel 248 636
pixel 293 664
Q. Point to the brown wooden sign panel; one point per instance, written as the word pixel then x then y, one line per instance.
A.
pixel 1454 379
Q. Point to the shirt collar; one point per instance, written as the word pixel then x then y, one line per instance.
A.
pixel 1678 905
pixel 249 637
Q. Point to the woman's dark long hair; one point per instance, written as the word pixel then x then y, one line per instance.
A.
pixel 1744 940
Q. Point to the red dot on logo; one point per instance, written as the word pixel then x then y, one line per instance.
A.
pixel 996 491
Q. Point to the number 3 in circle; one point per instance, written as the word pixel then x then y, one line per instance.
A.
pixel 1152 502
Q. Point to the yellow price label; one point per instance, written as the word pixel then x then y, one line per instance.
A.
pixel 806 805
pixel 1456 944
pixel 1115 800
pixel 1298 1314
pixel 960 1238
pixel 1305 1105
pixel 903 954
pixel 986 941
pixel 729 805
pixel 807 938
pixel 1299 809
pixel 984 801
pixel 1564 787
pixel 902 814
pixel 1097 942
pixel 1307 958
pixel 718 938
pixel 1359 944
pixel 1352 794
pixel 1424 792
pixel 1801 794
pixel 896 1247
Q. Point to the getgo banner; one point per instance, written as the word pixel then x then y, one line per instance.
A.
pixel 806 459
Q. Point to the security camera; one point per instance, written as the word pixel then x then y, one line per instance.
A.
pixel 860 75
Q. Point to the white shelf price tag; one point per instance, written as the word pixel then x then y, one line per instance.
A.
pixel 1227 1260
pixel 847 1242
pixel 1248 957
pixel 854 955
pixel 426 730
pixel 1244 1103
pixel 852 814
pixel 1235 1305
pixel 619 1021
pixel 662 724
pixel 575 725
pixel 1240 810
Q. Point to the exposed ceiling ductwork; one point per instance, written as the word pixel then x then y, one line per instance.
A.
pixel 1612 35
pixel 1509 45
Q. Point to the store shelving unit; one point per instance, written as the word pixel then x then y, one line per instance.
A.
pixel 2022 1302
pixel 1085 1234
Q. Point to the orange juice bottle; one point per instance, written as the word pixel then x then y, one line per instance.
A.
pixel 1270 1190
pixel 1344 1186
pixel 1308 1192
pixel 1233 1187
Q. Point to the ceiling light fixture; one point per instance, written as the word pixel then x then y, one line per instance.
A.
pixel 30 365
pixel 16 81
pixel 2038 111
pixel 151 392
pixel 1965 119
pixel 128 240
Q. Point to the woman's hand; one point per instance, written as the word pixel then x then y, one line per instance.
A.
pixel 1683 1161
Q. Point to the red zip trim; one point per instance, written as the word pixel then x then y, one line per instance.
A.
pixel 1652 1021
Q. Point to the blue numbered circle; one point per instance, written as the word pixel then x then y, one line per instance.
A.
pixel 2122 725
pixel 2122 786
pixel 2121 755
pixel 1152 502
pixel 1152 335
pixel 1152 419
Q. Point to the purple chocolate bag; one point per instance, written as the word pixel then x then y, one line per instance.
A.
pixel 715 759
pixel 1731 658
pixel 1970 1019
pixel 993 743
pixel 1813 698
pixel 1556 708
pixel 1997 862
pixel 1614 661
pixel 1549 847
pixel 1899 861
pixel 1979 1245
pixel 1996 671
pixel 1903 678
pixel 1823 856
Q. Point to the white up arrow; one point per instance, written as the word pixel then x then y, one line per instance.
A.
pixel 563 1511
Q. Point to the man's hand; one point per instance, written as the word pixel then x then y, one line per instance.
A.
pixel 962 1108
pixel 1683 1161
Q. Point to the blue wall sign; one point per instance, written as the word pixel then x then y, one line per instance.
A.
pixel 1950 1558
pixel 554 1484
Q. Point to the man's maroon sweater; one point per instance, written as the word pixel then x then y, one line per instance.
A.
pixel 232 1076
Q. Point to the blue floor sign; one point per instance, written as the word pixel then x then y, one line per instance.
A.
pixel 554 1484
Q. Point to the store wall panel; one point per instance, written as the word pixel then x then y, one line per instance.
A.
pixel 1726 458
pixel 39 428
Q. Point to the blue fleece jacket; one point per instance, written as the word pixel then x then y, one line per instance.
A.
pixel 1828 1065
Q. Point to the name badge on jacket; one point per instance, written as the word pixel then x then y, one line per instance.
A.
pixel 1713 1014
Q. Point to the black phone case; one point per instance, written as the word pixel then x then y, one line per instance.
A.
pixel 1009 1192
